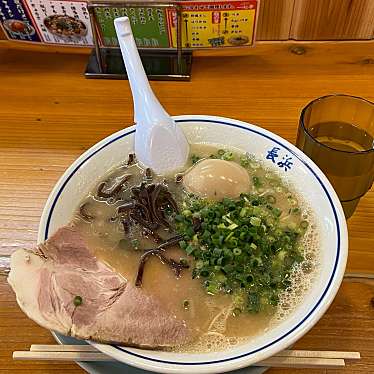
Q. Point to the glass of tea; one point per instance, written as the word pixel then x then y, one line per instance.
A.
pixel 337 133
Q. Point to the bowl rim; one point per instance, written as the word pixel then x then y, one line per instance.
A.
pixel 240 360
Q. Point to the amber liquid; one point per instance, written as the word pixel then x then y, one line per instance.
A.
pixel 351 171
pixel 342 136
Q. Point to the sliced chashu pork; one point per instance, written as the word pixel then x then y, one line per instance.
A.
pixel 113 310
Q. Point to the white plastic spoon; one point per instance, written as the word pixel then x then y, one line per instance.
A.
pixel 159 143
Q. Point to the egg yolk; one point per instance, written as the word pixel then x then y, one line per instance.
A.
pixel 215 179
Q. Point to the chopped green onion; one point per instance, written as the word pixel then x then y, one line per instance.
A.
pixel 255 221
pixel 253 246
pixel 211 288
pixel 228 237
pixel 183 244
pixel 233 242
pixel 195 158
pixel 187 213
pixel 281 255
pixel 244 160
pixel 237 251
pixel 179 218
pixel 241 247
pixel 78 300
pixel 304 224
pixel 224 155
pixel 228 156
pixel 227 219
pixel 135 243
pixel 199 264
pixel 256 181
pixel 189 249
pixel 277 212
pixel 244 212
pixel 221 277
pixel 204 273
pixel 256 261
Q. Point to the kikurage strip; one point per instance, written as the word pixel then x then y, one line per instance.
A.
pixel 126 225
pixel 131 160
pixel 153 234
pixel 148 173
pixel 111 192
pixel 135 216
pixel 126 207
pixel 177 267
pixel 83 212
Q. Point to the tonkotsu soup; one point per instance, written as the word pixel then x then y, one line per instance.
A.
pixel 226 245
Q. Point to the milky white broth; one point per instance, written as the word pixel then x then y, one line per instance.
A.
pixel 209 317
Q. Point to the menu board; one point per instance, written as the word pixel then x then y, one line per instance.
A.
pixel 16 21
pixel 215 24
pixel 205 24
pixel 62 22
pixel 149 26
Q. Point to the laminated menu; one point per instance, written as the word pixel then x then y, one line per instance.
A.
pixel 215 24
pixel 17 22
pixel 204 24
pixel 49 21
pixel 62 22
pixel 149 25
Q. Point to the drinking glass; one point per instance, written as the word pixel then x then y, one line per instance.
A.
pixel 337 133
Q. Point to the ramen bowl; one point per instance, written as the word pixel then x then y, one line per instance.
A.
pixel 276 154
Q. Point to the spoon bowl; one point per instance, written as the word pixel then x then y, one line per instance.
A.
pixel 159 143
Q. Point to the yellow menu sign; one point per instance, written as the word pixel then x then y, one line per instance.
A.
pixel 215 24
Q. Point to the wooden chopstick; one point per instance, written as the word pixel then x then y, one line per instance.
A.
pixel 302 362
pixel 61 356
pixel 319 354
pixel 295 362
pixel 286 358
pixel 285 353
pixel 63 348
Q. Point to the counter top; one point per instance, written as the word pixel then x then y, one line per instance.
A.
pixel 50 114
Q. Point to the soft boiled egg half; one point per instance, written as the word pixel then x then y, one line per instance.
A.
pixel 215 179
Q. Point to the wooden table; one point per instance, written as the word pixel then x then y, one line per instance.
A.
pixel 50 114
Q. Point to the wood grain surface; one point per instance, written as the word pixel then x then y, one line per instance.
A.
pixel 274 20
pixel 50 114
pixel 332 19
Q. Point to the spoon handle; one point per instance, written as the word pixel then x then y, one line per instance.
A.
pixel 147 108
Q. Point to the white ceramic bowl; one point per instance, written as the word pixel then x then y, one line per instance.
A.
pixel 83 174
